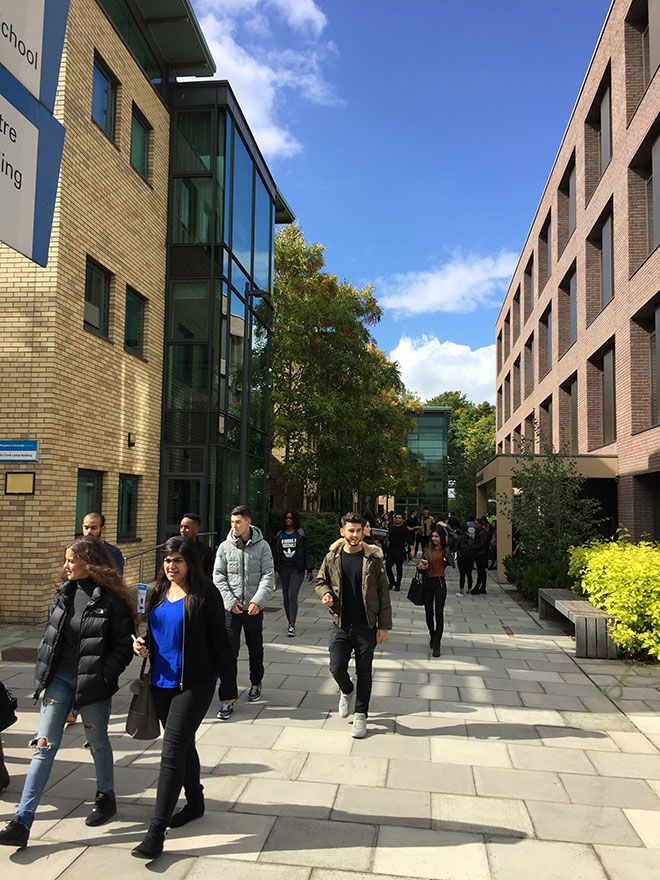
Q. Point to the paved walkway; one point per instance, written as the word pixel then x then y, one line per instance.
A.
pixel 505 758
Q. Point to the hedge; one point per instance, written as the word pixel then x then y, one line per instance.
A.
pixel 624 580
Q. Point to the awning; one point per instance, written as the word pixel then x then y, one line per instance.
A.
pixel 174 27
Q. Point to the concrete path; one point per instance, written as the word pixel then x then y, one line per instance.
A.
pixel 505 758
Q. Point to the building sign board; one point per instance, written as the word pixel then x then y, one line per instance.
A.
pixel 31 143
pixel 19 450
pixel 31 42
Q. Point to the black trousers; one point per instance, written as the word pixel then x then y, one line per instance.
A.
pixel 180 713
pixel 362 640
pixel 397 560
pixel 253 627
pixel 465 571
pixel 482 577
pixel 435 596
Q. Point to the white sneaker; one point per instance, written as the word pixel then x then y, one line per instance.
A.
pixel 359 725
pixel 345 704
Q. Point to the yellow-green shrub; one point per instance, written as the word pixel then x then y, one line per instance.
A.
pixel 624 580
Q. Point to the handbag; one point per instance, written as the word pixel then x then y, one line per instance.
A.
pixel 416 589
pixel 449 557
pixel 8 703
pixel 142 719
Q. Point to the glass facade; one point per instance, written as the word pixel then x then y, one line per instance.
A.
pixel 216 444
pixel 427 443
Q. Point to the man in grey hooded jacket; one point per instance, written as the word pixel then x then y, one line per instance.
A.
pixel 244 574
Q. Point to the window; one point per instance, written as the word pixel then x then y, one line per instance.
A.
pixel 568 415
pixel 600 265
pixel 499 408
pixel 568 310
pixel 140 142
pixel 528 286
pixel 134 323
pixel 545 342
pixel 516 383
pixel 567 206
pixel 545 252
pixel 598 136
pixel 546 427
pixel 642 48
pixel 609 401
pixel 127 510
pixel 654 371
pixel 97 299
pixel 104 98
pixel 644 199
pixel 89 495
pixel 507 335
pixel 507 397
pixel 645 366
pixel 499 351
pixel 529 365
pixel 516 315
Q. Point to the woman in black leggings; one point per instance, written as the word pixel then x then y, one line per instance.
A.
pixel 435 588
pixel 189 649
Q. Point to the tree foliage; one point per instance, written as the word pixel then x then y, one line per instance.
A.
pixel 471 444
pixel 550 515
pixel 339 409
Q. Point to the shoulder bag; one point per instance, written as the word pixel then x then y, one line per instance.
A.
pixel 416 589
pixel 8 703
pixel 142 719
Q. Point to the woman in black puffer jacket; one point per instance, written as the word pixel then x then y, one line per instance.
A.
pixel 87 645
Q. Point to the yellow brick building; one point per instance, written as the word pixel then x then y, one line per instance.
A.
pixel 83 341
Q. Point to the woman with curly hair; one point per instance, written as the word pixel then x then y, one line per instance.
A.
pixel 86 646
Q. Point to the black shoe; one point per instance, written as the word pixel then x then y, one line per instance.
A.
pixel 436 650
pixel 397 589
pixel 104 808
pixel 4 781
pixel 152 845
pixel 15 834
pixel 431 641
pixel 187 814
pixel 254 693
pixel 226 711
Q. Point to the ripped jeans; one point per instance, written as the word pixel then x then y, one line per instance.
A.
pixel 55 706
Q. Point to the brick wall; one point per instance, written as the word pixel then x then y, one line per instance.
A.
pixel 77 394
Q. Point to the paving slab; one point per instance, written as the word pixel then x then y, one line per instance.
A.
pixel 382 806
pixel 647 825
pixel 542 860
pixel 452 812
pixel 625 863
pixel 280 797
pixel 345 769
pixel 210 867
pixel 445 855
pixel 582 824
pixel 434 777
pixel 40 861
pixel 477 754
pixel 118 862
pixel 526 757
pixel 309 842
pixel 522 784
pixel 630 766
pixel 610 792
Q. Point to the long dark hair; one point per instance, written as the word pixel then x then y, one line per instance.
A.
pixel 296 519
pixel 196 582
pixel 429 546
pixel 101 569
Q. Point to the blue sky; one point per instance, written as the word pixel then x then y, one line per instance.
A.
pixel 413 138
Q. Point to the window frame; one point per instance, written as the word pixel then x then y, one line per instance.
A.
pixel 97 505
pixel 130 534
pixel 103 331
pixel 110 129
pixel 132 293
pixel 141 119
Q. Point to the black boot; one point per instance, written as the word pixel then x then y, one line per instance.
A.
pixel 192 810
pixel 105 807
pixel 436 649
pixel 152 845
pixel 15 834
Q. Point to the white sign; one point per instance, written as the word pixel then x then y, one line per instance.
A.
pixel 19 144
pixel 21 41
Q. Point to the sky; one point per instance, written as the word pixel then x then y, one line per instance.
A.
pixel 413 139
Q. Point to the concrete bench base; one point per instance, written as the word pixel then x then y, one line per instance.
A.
pixel 592 638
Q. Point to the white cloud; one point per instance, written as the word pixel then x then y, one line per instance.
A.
pixel 260 70
pixel 462 284
pixel 430 366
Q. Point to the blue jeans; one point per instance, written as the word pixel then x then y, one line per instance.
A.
pixel 55 706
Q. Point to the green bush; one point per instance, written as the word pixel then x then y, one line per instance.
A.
pixel 322 529
pixel 531 573
pixel 578 560
pixel 624 580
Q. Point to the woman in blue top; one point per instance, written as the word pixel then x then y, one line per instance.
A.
pixel 189 649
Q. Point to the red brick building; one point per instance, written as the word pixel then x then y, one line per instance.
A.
pixel 577 350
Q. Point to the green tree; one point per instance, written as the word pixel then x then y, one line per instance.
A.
pixel 550 514
pixel 471 444
pixel 339 409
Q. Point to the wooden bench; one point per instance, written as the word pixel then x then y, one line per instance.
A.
pixel 591 636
